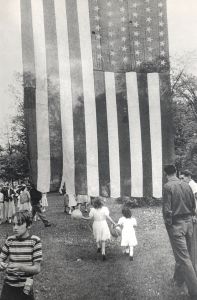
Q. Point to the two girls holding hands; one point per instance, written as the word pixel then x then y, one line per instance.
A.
pixel 101 232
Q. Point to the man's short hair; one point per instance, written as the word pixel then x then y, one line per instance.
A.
pixel 170 169
pixel 186 173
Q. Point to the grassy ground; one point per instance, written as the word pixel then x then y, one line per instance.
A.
pixel 72 270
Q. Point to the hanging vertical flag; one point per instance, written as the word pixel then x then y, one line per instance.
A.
pixel 97 95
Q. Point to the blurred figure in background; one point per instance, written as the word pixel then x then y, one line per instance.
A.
pixel 1 206
pixel 36 206
pixel 9 206
pixel 24 199
pixel 83 200
pixel 44 202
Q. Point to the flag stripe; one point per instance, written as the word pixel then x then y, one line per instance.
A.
pixel 166 119
pixel 145 133
pixel 155 133
pixel 89 97
pixel 43 143
pixel 135 135
pixel 54 117
pixel 78 98
pixel 68 173
pixel 29 85
pixel 123 134
pixel 112 123
pixel 102 132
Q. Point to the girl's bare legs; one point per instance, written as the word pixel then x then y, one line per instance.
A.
pixel 125 250
pixel 131 252
pixel 103 249
pixel 98 247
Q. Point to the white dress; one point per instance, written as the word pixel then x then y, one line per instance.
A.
pixel 128 231
pixel 72 200
pixel 44 201
pixel 100 227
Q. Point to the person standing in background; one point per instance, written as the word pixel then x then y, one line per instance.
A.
pixel 24 199
pixel 36 206
pixel 9 206
pixel 1 206
pixel 186 175
pixel 44 202
pixel 178 210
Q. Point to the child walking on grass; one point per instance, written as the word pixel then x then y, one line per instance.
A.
pixel 100 215
pixel 128 238
pixel 20 257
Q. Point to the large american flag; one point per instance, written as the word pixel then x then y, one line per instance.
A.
pixel 97 95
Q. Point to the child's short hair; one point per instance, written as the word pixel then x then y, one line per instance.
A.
pixel 97 202
pixel 126 212
pixel 23 216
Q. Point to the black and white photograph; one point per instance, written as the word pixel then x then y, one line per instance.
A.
pixel 98 150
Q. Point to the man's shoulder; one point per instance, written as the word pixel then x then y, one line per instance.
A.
pixel 171 183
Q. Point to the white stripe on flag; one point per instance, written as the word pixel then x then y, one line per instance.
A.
pixel 68 175
pixel 155 133
pixel 112 122
pixel 135 135
pixel 89 97
pixel 42 122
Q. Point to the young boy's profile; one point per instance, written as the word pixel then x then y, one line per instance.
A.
pixel 20 257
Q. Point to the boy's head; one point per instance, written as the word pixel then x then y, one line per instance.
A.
pixel 22 221
pixel 126 212
pixel 97 202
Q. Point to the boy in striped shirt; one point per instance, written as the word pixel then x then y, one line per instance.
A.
pixel 24 255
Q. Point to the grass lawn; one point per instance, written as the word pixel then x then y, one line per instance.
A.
pixel 72 270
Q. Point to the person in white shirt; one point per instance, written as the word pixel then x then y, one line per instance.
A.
pixel 186 175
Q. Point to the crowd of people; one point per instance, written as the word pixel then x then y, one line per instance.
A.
pixel 179 214
pixel 23 197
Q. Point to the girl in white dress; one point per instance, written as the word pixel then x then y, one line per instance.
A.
pixel 44 201
pixel 100 214
pixel 128 237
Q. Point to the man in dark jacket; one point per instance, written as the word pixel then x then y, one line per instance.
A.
pixel 36 206
pixel 178 210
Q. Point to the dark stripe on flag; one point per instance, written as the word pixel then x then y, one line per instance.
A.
pixel 145 133
pixel 31 130
pixel 55 134
pixel 78 99
pixel 166 119
pixel 123 134
pixel 102 133
pixel 29 86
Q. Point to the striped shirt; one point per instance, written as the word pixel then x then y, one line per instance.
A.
pixel 24 251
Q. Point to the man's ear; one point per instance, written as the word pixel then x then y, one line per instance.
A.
pixel 29 227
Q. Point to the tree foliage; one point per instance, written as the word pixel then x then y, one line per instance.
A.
pixel 184 94
pixel 13 156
